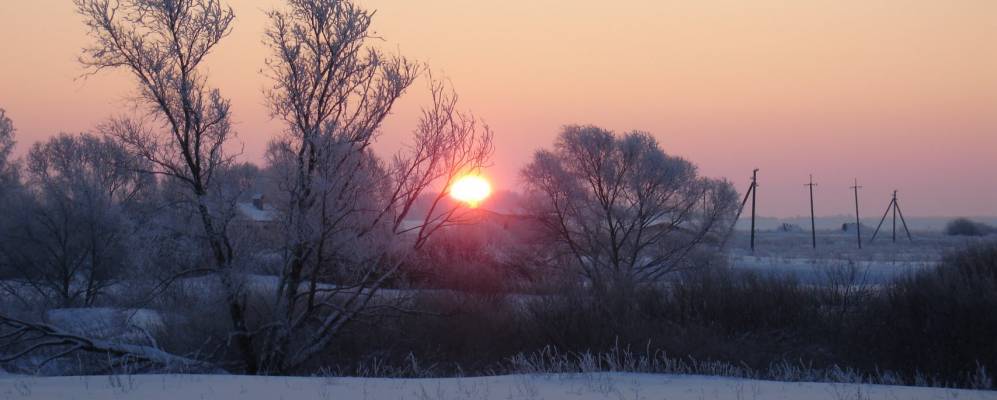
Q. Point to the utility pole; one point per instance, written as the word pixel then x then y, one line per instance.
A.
pixel 895 208
pixel 858 222
pixel 813 219
pixel 750 193
pixel 754 192
pixel 894 216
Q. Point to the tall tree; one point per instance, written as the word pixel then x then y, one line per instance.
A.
pixel 184 134
pixel 341 206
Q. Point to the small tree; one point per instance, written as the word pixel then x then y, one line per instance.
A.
pixel 619 207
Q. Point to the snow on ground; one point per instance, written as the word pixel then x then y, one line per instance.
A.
pixel 510 387
pixel 819 270
pixel 879 262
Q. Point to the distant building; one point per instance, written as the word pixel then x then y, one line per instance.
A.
pixel 257 210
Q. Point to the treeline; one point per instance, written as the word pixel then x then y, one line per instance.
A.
pixel 264 268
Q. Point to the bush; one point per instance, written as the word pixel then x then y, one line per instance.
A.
pixel 965 227
pixel 940 320
pixel 932 328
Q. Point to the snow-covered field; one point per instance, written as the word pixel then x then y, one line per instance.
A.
pixel 510 387
pixel 879 262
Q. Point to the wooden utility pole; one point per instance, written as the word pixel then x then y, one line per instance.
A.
pixel 749 194
pixel 894 216
pixel 813 219
pixel 754 192
pixel 895 208
pixel 858 221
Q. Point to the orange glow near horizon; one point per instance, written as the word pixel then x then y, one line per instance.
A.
pixel 471 190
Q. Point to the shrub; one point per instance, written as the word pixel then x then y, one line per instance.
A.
pixel 965 227
pixel 940 320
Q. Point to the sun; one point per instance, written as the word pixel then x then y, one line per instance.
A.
pixel 471 189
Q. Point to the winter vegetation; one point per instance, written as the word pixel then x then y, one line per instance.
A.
pixel 967 227
pixel 147 256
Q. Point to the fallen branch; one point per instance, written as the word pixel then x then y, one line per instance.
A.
pixel 48 337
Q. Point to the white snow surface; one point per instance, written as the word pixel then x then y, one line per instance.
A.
pixel 508 387
pixel 255 214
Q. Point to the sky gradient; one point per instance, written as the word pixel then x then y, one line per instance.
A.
pixel 901 94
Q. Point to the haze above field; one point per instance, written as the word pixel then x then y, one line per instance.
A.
pixel 902 94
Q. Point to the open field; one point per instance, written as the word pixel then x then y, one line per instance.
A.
pixel 878 262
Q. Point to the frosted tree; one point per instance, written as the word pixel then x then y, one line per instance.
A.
pixel 184 133
pixel 11 198
pixel 342 207
pixel 621 209
pixel 67 241
pixel 8 171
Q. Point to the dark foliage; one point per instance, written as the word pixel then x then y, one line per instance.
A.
pixel 966 227
pixel 940 320
pixel 934 327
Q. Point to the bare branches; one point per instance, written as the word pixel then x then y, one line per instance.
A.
pixel 333 91
pixel 342 208
pixel 66 240
pixel 32 338
pixel 625 210
pixel 8 167
pixel 6 138
pixel 162 44
pixel 448 143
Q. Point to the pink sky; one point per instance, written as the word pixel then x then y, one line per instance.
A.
pixel 899 93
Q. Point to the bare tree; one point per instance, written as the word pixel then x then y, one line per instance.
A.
pixel 342 208
pixel 162 44
pixel 623 210
pixel 7 169
pixel 68 241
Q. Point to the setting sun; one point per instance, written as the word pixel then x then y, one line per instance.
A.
pixel 471 189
